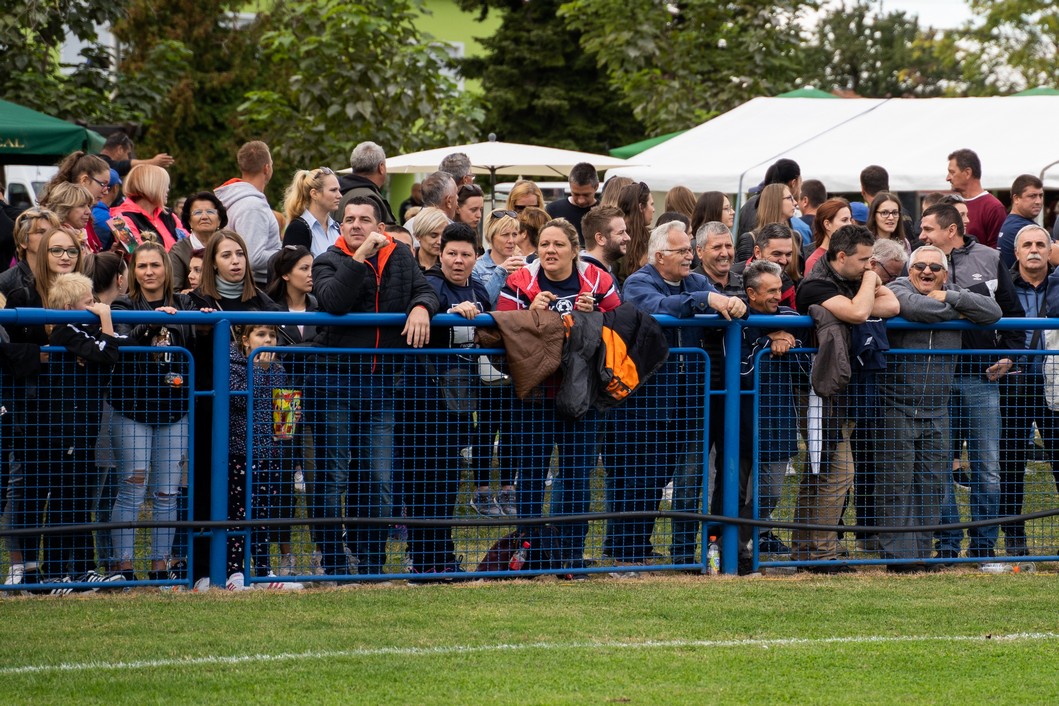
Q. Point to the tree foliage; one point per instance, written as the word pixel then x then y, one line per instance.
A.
pixel 340 72
pixel 883 55
pixel 679 63
pixel 540 87
pixel 1016 42
pixel 91 91
pixel 196 118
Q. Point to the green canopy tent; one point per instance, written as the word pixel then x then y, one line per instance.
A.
pixel 631 150
pixel 30 137
pixel 1038 91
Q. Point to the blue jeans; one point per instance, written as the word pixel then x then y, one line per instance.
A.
pixel 539 428
pixel 355 464
pixel 978 402
pixel 139 447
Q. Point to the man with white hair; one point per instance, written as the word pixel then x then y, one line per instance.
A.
pixel 1022 403
pixel 913 420
pixel 888 259
pixel 663 418
pixel 368 162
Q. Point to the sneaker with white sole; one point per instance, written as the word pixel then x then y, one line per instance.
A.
pixel 277 585
pixel 236 582
pixel 63 590
pixel 299 482
pixel 202 585
pixel 15 574
pixel 94 577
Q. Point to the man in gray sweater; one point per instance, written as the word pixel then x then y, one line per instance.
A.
pixel 914 399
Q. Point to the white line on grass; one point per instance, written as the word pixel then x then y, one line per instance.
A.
pixel 465 649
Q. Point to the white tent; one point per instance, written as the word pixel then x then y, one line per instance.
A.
pixel 832 140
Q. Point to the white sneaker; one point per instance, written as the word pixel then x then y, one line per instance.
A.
pixel 299 482
pixel 276 585
pixel 15 575
pixel 236 582
pixel 286 565
pixel 202 585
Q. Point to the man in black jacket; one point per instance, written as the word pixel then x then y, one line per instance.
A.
pixel 364 272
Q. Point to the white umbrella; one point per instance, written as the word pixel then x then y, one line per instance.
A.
pixel 507 158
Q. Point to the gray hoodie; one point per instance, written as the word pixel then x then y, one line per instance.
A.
pixel 920 383
pixel 250 216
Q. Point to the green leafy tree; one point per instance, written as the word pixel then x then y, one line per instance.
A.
pixel 1016 43
pixel 31 73
pixel 340 72
pixel 194 115
pixel 540 87
pixel 679 63
pixel 889 55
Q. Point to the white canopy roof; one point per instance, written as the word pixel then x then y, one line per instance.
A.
pixel 832 140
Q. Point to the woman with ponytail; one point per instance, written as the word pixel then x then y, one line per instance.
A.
pixel 310 200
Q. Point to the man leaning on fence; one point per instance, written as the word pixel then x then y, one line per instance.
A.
pixel 975 401
pixel 1023 404
pixel 364 272
pixel 843 289
pixel 912 433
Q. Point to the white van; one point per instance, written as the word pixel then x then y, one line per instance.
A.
pixel 24 182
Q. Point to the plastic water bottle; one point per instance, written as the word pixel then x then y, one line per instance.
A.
pixel 713 557
pixel 518 559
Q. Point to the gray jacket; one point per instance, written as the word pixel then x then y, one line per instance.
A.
pixel 919 383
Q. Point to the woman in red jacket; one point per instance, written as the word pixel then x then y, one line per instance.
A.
pixel 144 209
pixel 560 282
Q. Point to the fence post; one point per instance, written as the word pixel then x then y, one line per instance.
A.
pixel 729 465
pixel 219 457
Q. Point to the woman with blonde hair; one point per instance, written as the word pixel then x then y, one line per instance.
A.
pixel 612 188
pixel 502 256
pixel 524 194
pixel 310 200
pixel 73 205
pixel 89 171
pixel 427 229
pixel 775 205
pixel 681 199
pixel 30 226
pixel 144 208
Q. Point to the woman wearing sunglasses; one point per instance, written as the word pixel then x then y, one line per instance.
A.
pixel 310 200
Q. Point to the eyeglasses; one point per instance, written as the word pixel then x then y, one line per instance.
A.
pixel 204 212
pixel 889 214
pixel 520 209
pixel 471 190
pixel 920 266
pixel 890 276
pixel 324 171
pixel 728 209
pixel 683 252
pixel 500 213
pixel 69 252
pixel 102 184
pixel 788 197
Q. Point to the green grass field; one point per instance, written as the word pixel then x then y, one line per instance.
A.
pixel 955 638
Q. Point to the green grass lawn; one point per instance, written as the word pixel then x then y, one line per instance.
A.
pixel 863 639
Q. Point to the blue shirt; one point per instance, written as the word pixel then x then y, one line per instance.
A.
pixel 322 238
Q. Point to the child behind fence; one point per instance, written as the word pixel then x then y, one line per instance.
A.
pixel 271 394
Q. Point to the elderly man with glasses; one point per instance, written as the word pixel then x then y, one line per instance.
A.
pixel 913 423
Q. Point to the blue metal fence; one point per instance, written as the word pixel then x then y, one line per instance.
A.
pixel 423 465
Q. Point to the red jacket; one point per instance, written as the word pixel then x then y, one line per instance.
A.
pixel 161 221
pixel 522 286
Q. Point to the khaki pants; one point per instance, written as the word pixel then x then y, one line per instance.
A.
pixel 823 487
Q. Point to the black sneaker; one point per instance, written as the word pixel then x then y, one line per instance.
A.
pixel 768 543
pixel 63 589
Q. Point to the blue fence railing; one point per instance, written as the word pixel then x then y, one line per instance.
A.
pixel 306 464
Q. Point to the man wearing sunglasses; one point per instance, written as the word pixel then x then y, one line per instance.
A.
pixel 913 423
pixel 975 399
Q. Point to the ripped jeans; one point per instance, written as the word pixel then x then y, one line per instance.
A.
pixel 158 453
